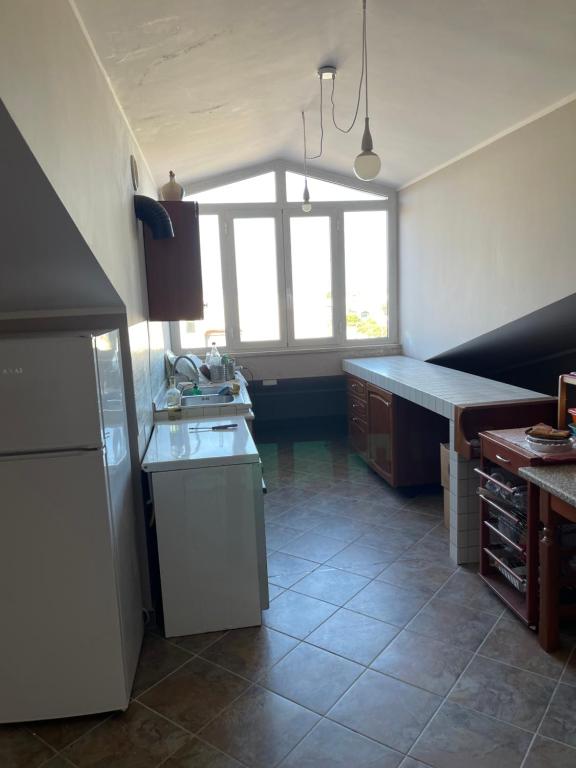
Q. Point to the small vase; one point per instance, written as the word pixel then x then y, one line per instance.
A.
pixel 172 190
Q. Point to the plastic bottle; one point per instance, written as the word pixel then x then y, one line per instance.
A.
pixel 213 356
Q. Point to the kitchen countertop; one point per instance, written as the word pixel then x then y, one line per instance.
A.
pixel 559 480
pixel 192 444
pixel 432 386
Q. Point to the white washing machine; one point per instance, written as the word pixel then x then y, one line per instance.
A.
pixel 207 492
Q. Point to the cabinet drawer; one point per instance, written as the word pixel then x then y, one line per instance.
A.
pixel 504 457
pixel 357 387
pixel 357 407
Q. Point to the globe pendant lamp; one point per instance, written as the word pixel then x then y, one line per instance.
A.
pixel 367 164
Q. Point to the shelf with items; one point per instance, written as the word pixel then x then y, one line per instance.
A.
pixel 508 528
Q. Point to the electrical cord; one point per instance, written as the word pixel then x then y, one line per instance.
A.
pixel 363 78
pixel 315 157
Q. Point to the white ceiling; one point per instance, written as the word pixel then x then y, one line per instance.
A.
pixel 214 85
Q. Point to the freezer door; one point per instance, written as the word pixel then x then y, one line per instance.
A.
pixel 60 644
pixel 48 395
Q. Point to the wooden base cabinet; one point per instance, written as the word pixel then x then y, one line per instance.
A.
pixel 397 438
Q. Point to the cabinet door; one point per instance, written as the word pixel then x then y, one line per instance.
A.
pixel 380 442
pixel 358 435
pixel 173 268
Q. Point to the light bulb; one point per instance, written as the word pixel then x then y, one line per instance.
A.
pixel 306 207
pixel 367 165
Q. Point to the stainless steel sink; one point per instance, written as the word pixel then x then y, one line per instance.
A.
pixel 200 400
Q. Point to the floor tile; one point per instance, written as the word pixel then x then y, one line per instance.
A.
pixel 302 517
pixel 250 652
pixel 432 548
pixel 260 728
pixel 413 522
pixel 386 710
pixel 274 591
pixel 569 675
pixel 296 615
pixel 158 658
pixel 469 590
pixel 388 540
pixel 21 749
pixel 60 733
pixel 195 693
pixel 549 754
pixel 423 662
pixel 389 602
pixel 513 643
pixel 331 746
pixel 458 738
pixel 509 694
pixel 353 635
pixel 560 720
pixel 341 528
pixel 197 754
pixel 58 762
pixel 136 738
pixel 285 570
pixel 408 762
pixel 312 677
pixel 313 546
pixel 452 623
pixel 197 643
pixel 415 572
pixel 365 561
pixel 431 502
pixel 278 535
pixel 331 584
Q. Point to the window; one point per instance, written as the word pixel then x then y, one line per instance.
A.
pixel 256 279
pixel 277 278
pixel 197 334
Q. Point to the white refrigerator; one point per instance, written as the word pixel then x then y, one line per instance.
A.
pixel 70 605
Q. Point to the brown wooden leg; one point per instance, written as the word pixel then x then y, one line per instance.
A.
pixel 548 629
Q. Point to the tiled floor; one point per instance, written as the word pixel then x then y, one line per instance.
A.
pixel 376 652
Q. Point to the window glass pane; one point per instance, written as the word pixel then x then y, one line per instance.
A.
pixel 257 279
pixel 323 191
pixel 258 189
pixel 311 276
pixel 197 334
pixel 366 257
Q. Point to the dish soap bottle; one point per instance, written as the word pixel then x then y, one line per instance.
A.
pixel 172 394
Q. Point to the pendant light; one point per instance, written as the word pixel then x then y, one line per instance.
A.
pixel 367 164
pixel 306 204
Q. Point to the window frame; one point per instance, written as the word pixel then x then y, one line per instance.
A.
pixel 282 211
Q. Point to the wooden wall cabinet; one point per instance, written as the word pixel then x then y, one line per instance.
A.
pixel 173 268
pixel 398 439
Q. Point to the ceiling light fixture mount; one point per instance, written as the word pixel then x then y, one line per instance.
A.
pixel 327 72
pixel 367 164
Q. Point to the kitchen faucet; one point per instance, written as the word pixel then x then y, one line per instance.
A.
pixel 196 378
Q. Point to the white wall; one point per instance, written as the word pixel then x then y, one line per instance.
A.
pixel 62 104
pixel 489 238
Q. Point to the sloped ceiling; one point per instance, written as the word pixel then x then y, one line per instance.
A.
pixel 214 85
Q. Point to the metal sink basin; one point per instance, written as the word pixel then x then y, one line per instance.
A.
pixel 201 400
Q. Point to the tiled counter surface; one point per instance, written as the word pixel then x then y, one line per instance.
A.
pixel 441 390
pixel 559 480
